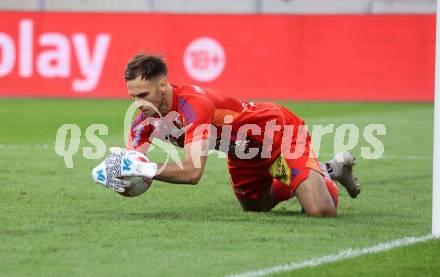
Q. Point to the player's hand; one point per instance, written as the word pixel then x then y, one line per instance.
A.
pixel 108 173
pixel 122 163
pixel 134 163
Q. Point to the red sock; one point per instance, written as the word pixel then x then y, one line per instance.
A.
pixel 333 189
pixel 280 192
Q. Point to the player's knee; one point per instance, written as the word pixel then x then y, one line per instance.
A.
pixel 263 202
pixel 329 211
pixel 255 206
pixel 322 211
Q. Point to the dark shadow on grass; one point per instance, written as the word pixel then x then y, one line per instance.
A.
pixel 208 214
pixel 285 213
pixel 219 215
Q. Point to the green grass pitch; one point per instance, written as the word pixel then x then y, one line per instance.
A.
pixel 55 221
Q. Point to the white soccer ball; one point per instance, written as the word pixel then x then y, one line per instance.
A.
pixel 138 186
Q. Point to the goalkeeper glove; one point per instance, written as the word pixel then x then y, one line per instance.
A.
pixel 122 163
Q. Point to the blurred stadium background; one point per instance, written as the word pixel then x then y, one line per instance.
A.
pixel 225 6
pixel 357 49
pixel 331 62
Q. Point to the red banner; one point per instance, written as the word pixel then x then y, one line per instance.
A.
pixel 322 57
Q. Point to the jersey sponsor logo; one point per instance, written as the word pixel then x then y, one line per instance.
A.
pixel 280 170
pixel 204 59
pixel 198 89
pixel 248 104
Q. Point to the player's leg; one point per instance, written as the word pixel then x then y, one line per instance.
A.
pixel 262 203
pixel 301 171
pixel 315 197
pixel 281 192
pixel 257 190
pixel 332 189
pixel 266 196
pixel 253 186
pixel 317 194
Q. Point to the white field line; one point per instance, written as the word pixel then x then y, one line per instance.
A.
pixel 406 157
pixel 342 255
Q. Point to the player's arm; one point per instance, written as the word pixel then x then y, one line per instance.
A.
pixel 190 170
pixel 200 112
pixel 139 137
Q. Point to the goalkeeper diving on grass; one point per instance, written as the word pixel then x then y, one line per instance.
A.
pixel 269 154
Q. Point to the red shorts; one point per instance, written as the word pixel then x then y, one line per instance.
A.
pixel 250 178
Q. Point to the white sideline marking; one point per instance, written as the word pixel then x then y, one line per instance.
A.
pixel 409 157
pixel 342 255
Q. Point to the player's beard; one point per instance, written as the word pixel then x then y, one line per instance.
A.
pixel 163 106
pixel 147 110
pixel 158 109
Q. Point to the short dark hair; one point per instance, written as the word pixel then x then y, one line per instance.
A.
pixel 146 65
